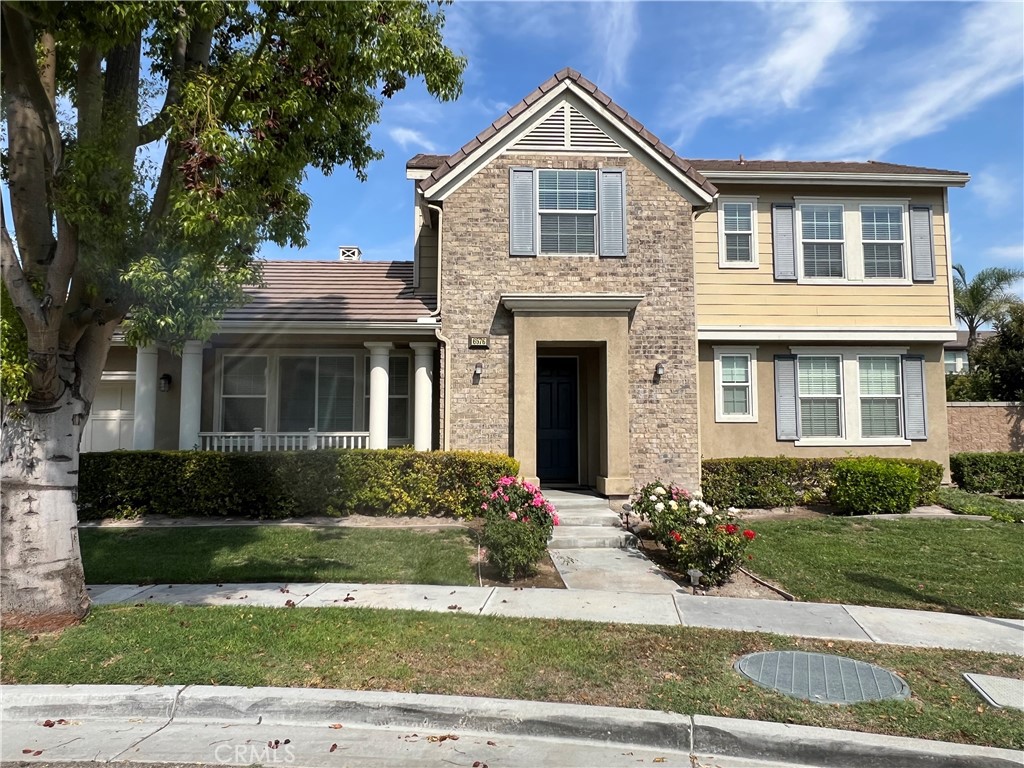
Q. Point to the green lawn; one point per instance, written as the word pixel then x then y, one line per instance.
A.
pixel 955 566
pixel 964 503
pixel 667 668
pixel 273 553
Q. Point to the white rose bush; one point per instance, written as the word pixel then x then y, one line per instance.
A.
pixel 693 534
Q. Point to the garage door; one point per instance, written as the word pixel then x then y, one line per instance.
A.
pixel 112 421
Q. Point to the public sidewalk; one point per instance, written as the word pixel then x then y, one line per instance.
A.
pixel 891 626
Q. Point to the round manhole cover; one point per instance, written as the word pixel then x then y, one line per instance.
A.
pixel 822 678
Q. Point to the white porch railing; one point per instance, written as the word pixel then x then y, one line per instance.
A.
pixel 258 440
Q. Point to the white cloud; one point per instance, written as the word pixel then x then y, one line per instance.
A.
pixel 406 137
pixel 805 39
pixel 1011 253
pixel 979 58
pixel 996 188
pixel 615 28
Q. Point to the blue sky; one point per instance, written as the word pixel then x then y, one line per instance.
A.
pixel 935 84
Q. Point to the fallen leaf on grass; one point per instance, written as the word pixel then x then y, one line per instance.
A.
pixel 454 607
pixel 289 603
pixel 336 726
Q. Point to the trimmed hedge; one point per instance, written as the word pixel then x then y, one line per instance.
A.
pixel 286 484
pixel 996 473
pixel 874 486
pixel 783 481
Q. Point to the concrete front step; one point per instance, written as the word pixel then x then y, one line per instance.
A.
pixel 583 517
pixel 590 537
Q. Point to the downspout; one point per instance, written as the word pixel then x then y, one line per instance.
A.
pixel 446 343
pixel 695 212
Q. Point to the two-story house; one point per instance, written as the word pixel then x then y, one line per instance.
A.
pixel 588 301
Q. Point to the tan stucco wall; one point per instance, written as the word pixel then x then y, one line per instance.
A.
pixel 985 427
pixel 722 440
pixel 476 269
pixel 729 297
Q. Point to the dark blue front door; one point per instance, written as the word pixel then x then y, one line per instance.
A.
pixel 557 420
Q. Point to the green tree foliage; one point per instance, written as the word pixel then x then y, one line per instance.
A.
pixel 984 299
pixel 1001 356
pixel 152 146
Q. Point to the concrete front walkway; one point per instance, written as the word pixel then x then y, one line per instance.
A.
pixel 890 626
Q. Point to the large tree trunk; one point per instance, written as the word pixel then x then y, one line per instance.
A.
pixel 42 585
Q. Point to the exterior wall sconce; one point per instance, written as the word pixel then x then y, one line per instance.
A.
pixel 478 370
pixel 659 369
pixel 165 382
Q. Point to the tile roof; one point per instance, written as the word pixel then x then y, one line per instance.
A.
pixel 330 291
pixel 962 336
pixel 813 166
pixel 450 162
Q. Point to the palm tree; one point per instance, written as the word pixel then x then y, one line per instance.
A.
pixel 984 299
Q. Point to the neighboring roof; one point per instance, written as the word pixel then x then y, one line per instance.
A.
pixel 814 166
pixel 332 291
pixel 961 339
pixel 630 125
pixel 824 172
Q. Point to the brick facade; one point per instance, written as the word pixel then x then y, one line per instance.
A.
pixel 476 270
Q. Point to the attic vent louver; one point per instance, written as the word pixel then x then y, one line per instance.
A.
pixel 566 129
pixel 349 253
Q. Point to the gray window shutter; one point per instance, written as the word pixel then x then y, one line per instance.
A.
pixel 522 213
pixel 922 245
pixel 914 410
pixel 786 421
pixel 783 242
pixel 612 212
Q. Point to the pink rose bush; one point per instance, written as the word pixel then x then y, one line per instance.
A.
pixel 518 522
pixel 692 532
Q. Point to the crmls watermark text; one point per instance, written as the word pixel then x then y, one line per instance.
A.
pixel 267 753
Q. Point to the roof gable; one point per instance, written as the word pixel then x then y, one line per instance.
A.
pixel 600 121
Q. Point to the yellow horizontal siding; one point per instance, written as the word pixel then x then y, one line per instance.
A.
pixel 753 297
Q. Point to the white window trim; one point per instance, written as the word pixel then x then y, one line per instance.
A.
pixel 720 415
pixel 218 415
pixel 585 212
pixel 350 354
pixel 850 402
pixel 853 242
pixel 899 398
pixel 273 354
pixel 754 262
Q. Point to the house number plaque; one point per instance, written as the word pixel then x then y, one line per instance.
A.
pixel 479 342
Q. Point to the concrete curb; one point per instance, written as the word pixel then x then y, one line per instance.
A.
pixel 698 734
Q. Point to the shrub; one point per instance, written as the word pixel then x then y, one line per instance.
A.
pixel 693 534
pixel 782 481
pixel 517 525
pixel 998 473
pixel 874 486
pixel 285 484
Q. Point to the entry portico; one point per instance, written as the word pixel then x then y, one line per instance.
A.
pixel 593 329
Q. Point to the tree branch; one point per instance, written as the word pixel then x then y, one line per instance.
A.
pixel 243 81
pixel 19 55
pixel 156 127
pixel 90 94
pixel 14 278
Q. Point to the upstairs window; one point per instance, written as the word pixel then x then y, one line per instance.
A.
pixel 567 201
pixel 882 232
pixel 567 212
pixel 822 237
pixel 737 233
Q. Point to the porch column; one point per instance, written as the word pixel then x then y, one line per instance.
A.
pixel 191 395
pixel 423 387
pixel 380 354
pixel 144 433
